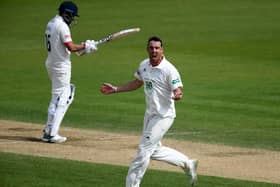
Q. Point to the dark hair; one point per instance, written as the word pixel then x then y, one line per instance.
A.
pixel 155 38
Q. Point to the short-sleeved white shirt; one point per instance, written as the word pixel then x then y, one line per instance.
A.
pixel 159 83
pixel 58 33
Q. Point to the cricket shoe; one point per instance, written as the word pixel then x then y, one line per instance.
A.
pixel 57 139
pixel 191 171
pixel 46 137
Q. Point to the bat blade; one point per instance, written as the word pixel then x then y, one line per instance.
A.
pixel 118 35
pixel 112 37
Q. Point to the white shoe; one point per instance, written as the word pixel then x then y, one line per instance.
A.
pixel 57 139
pixel 191 171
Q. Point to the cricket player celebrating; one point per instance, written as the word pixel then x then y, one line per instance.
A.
pixel 60 45
pixel 162 86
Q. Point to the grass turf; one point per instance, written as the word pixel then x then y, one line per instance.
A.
pixel 19 170
pixel 226 52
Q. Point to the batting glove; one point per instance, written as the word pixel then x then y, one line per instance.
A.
pixel 90 47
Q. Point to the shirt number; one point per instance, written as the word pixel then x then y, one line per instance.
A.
pixel 48 43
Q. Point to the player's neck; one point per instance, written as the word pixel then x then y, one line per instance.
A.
pixel 156 62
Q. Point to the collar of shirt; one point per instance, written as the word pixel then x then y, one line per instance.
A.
pixel 161 64
pixel 59 17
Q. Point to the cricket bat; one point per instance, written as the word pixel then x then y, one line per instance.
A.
pixel 111 37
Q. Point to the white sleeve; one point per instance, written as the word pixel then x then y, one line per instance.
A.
pixel 65 34
pixel 138 73
pixel 174 78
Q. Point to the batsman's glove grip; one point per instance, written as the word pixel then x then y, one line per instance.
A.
pixel 89 47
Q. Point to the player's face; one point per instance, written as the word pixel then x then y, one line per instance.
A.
pixel 69 19
pixel 155 51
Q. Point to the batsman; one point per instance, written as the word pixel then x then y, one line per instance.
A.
pixel 59 46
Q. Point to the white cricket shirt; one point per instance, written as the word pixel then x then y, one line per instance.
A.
pixel 57 33
pixel 159 83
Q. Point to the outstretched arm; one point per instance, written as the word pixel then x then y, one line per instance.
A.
pixel 108 88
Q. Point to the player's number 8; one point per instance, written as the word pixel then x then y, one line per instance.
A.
pixel 48 43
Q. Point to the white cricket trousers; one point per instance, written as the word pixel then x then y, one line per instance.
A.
pixel 62 97
pixel 150 147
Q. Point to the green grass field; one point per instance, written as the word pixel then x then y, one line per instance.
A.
pixel 227 52
pixel 26 171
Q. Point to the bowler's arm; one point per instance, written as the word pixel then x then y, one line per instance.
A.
pixel 108 88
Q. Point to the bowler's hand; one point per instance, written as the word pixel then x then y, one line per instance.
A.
pixel 177 94
pixel 108 88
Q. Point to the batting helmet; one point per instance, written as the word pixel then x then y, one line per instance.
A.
pixel 68 10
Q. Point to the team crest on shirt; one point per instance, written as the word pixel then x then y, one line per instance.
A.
pixel 149 85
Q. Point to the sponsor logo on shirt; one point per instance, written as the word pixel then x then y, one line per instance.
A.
pixel 175 81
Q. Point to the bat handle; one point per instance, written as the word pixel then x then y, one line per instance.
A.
pixel 81 52
pixel 104 40
pixel 98 42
